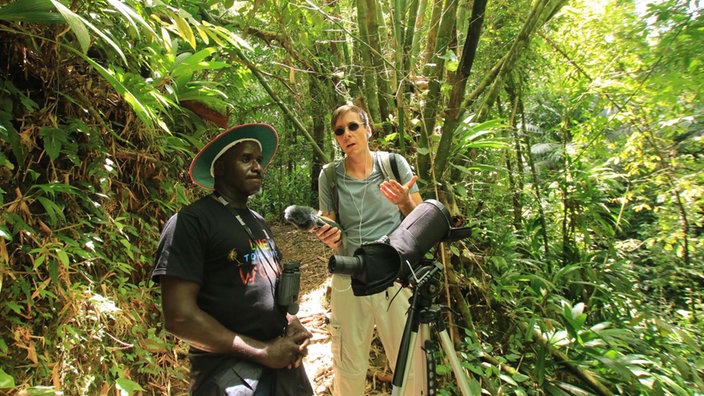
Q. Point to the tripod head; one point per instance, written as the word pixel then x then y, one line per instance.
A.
pixel 425 282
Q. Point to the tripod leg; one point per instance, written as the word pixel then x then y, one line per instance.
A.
pixel 451 354
pixel 398 388
pixel 404 359
pixel 431 349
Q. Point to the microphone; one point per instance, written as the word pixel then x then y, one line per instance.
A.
pixel 305 217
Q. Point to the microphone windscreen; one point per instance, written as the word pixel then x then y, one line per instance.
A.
pixel 302 217
pixel 305 217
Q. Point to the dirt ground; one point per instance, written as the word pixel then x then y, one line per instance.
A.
pixel 304 247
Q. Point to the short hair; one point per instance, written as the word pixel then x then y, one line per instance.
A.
pixel 338 112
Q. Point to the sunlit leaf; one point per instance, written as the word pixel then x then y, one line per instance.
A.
pixel 139 108
pixel 185 31
pixel 135 19
pixel 6 380
pixel 128 385
pixel 77 24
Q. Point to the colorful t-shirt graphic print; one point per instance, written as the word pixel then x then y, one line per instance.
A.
pixel 206 244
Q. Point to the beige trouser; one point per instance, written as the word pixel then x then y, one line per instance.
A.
pixel 352 328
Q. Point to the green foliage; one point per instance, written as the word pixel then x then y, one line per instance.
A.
pixel 38 11
pixel 582 180
pixel 605 247
pixel 284 189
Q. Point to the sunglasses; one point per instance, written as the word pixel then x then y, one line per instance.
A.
pixel 352 126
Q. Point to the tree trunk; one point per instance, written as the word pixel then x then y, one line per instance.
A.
pixel 541 12
pixel 458 81
pixel 435 76
pixel 376 79
pixel 516 175
pixel 364 54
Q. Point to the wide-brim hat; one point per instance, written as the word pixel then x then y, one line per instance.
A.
pixel 201 169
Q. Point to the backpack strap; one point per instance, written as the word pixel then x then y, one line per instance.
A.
pixel 331 176
pixel 389 167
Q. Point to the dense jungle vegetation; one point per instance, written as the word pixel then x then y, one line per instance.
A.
pixel 567 134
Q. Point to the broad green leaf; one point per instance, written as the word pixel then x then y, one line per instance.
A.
pixel 36 11
pixel 140 109
pixel 9 134
pixel 217 37
pixel 618 367
pixel 80 27
pixel 39 260
pixel 53 267
pixel 224 37
pixel 442 369
pixel 203 34
pixel 475 387
pixel 508 379
pixel 6 380
pixel 77 24
pixel 518 377
pixel 128 386
pixel 54 188
pixel 130 14
pixel 27 102
pixel 4 161
pixel 63 257
pixel 52 210
pixel 186 64
pixel 4 232
pixel 54 139
pixel 128 248
pixel 185 31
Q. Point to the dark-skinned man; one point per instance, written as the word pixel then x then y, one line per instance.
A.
pixel 218 267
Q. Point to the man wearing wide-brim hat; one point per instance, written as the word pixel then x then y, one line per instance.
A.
pixel 218 268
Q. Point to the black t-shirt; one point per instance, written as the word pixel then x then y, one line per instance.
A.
pixel 206 244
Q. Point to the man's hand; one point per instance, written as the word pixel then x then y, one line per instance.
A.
pixel 396 192
pixel 330 236
pixel 299 335
pixel 400 195
pixel 283 352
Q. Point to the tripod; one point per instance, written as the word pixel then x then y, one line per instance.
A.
pixel 424 313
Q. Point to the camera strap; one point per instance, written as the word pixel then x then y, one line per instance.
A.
pixel 277 270
pixel 249 232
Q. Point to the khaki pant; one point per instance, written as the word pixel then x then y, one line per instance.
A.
pixel 352 328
